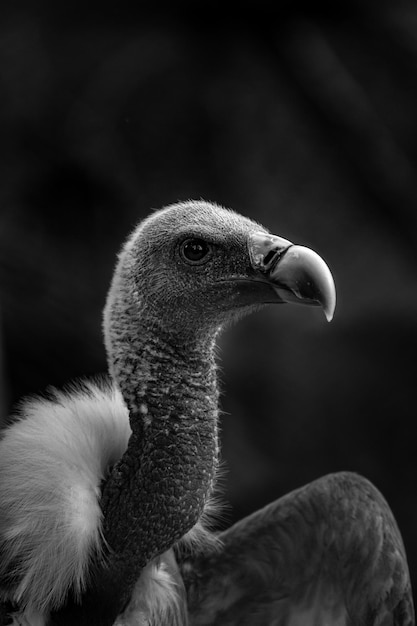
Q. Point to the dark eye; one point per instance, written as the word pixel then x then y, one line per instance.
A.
pixel 195 250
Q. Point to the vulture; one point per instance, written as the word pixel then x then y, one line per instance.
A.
pixel 108 488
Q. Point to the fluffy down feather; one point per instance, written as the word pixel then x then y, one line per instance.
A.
pixel 49 512
pixel 159 596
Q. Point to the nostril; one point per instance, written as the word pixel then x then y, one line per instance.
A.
pixel 273 256
pixel 270 256
pixel 265 250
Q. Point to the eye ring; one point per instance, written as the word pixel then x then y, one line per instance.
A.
pixel 195 251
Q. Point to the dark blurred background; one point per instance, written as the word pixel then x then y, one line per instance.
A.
pixel 295 114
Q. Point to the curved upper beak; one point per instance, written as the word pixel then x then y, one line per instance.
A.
pixel 296 274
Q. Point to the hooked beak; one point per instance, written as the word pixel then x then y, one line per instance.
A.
pixel 295 273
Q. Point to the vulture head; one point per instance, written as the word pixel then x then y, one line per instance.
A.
pixel 191 267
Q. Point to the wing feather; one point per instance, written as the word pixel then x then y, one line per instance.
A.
pixel 328 553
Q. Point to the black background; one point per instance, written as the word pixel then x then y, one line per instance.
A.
pixel 302 117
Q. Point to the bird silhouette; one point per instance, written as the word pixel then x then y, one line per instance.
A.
pixel 106 488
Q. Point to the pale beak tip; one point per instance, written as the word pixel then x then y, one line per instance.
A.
pixel 329 312
pixel 307 279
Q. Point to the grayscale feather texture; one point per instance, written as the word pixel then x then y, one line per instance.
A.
pixel 50 521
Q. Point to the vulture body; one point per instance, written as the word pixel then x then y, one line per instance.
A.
pixel 106 489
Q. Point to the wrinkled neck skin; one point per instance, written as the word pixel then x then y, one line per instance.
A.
pixel 159 488
pixel 157 491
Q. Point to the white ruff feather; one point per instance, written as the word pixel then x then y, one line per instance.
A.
pixel 158 596
pixel 52 461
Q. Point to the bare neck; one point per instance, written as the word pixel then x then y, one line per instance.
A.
pixel 158 490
